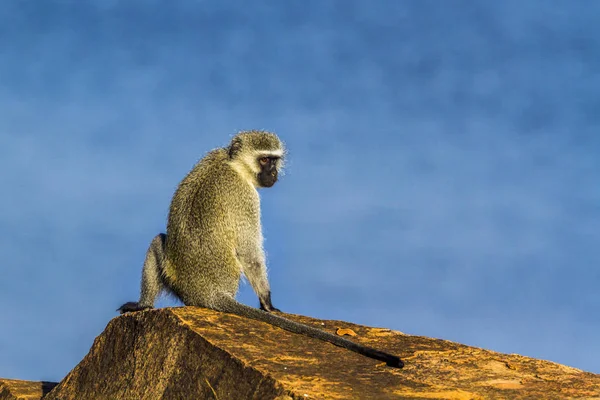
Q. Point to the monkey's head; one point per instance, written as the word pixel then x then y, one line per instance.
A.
pixel 259 155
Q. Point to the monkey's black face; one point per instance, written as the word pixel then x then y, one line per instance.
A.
pixel 268 171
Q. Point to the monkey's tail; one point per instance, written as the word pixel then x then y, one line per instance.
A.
pixel 232 306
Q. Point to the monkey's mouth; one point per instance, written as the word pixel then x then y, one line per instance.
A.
pixel 267 179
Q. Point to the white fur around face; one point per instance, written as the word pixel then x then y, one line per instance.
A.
pixel 272 153
pixel 250 160
pixel 244 167
pixel 248 167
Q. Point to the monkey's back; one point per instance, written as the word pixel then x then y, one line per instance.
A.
pixel 211 214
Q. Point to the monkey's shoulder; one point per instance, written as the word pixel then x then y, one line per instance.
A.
pixel 214 181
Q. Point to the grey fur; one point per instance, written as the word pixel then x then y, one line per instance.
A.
pixel 152 283
pixel 214 235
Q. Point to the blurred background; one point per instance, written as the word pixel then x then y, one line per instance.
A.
pixel 443 176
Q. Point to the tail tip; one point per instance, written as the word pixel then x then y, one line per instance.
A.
pixel 395 362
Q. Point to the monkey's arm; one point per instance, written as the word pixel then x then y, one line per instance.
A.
pixel 252 260
pixel 152 283
pixel 230 305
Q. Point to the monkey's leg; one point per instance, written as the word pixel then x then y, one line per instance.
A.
pixel 255 269
pixel 152 283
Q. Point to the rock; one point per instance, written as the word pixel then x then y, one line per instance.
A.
pixel 195 353
pixel 13 389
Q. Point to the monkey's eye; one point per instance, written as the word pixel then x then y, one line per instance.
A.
pixel 264 160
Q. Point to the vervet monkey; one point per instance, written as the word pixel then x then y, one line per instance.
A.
pixel 214 236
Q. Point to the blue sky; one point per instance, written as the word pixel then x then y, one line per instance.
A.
pixel 442 178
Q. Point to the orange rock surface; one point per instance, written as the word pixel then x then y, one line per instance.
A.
pixel 14 389
pixel 195 353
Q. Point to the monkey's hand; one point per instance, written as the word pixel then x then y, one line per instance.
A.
pixel 266 305
pixel 271 308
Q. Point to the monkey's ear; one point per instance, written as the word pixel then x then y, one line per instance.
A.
pixel 235 147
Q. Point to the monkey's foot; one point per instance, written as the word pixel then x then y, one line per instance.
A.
pixel 132 306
